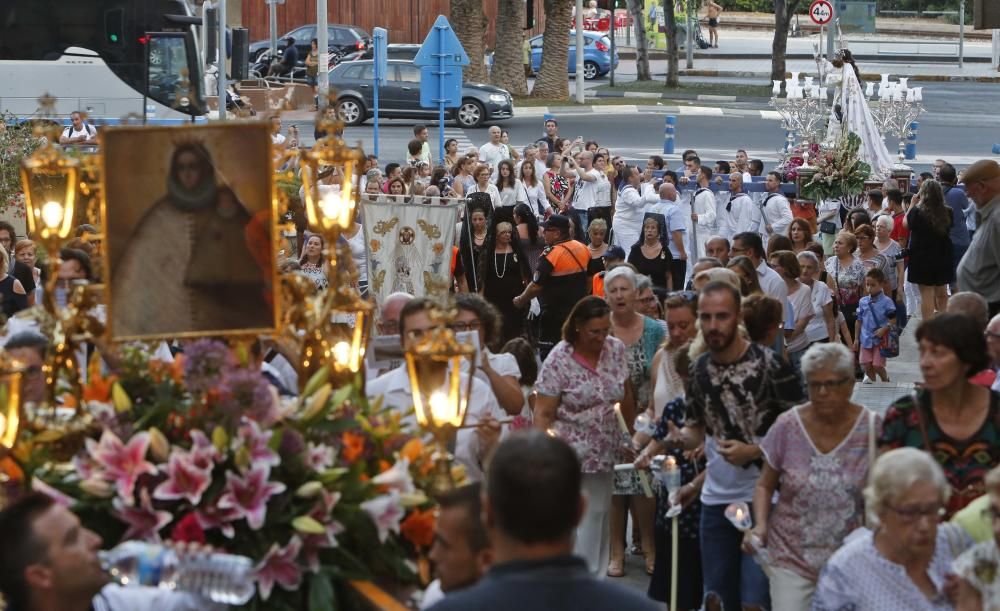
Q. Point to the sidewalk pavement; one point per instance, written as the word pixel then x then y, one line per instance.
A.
pixel 903 371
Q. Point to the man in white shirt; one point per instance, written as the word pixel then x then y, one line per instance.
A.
pixel 584 193
pixel 776 213
pixel 493 152
pixel 78 132
pixel 676 228
pixel 703 211
pixel 471 444
pixel 741 214
pixel 749 244
pixel 50 563
pixel 742 164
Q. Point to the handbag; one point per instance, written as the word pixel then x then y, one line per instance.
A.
pixel 889 346
pixel 828 227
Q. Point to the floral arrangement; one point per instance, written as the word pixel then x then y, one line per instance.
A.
pixel 316 490
pixel 838 171
pixel 17 141
pixel 795 159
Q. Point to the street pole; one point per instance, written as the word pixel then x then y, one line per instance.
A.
pixel 272 12
pixel 690 34
pixel 996 49
pixel 579 52
pixel 831 33
pixel 961 34
pixel 612 75
pixel 323 43
pixel 221 12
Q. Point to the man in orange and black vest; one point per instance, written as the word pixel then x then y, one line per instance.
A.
pixel 560 280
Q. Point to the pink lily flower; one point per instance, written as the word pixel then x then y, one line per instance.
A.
pixel 396 477
pixel 322 514
pixel 385 512
pixel 212 516
pixel 255 441
pixel 143 521
pixel 122 463
pixel 203 451
pixel 248 495
pixel 185 479
pixel 279 566
pixel 319 457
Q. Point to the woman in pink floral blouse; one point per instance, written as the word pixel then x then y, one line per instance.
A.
pixel 578 386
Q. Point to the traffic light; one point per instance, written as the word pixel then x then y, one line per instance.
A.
pixel 114 26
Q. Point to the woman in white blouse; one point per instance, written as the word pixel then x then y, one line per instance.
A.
pixel 483 184
pixel 506 183
pixel 629 207
pixel 531 191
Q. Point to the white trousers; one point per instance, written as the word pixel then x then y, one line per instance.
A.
pixel 593 535
pixel 790 591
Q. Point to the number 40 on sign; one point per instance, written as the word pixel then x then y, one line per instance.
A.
pixel 821 12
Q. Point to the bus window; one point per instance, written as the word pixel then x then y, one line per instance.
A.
pixel 168 71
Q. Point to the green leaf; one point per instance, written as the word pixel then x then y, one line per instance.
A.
pixel 321 596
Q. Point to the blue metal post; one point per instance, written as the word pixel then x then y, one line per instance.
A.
pixel 668 135
pixel 375 91
pixel 911 141
pixel 996 149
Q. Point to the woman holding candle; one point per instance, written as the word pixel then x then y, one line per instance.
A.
pixel 642 336
pixel 818 454
pixel 905 561
pixel 580 382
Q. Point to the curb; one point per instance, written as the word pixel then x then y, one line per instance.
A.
pixel 933 78
pixel 928 59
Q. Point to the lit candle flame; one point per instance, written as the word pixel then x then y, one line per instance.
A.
pixel 342 353
pixel 440 410
pixel 739 514
pixel 52 214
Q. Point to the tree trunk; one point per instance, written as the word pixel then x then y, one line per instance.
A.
pixel 508 69
pixel 670 20
pixel 552 81
pixel 641 46
pixel 469 22
pixel 783 11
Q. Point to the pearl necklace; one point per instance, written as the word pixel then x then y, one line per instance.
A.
pixel 500 274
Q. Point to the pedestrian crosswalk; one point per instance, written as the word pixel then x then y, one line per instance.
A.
pixel 464 143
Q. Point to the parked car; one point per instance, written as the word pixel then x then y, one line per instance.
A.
pixel 344 39
pixel 400 97
pixel 393 51
pixel 596 54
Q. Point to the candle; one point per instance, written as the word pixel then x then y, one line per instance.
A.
pixel 918 94
pixel 909 95
pixel 823 93
pixel 739 514
pixel 897 96
pixel 885 79
pixel 795 77
pixel 643 476
pixel 809 81
pixel 815 91
pixel 777 88
pixel 870 89
pixel 902 81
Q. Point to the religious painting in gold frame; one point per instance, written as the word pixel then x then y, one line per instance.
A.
pixel 189 217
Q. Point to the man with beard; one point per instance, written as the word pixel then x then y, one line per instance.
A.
pixel 735 393
pixel 197 260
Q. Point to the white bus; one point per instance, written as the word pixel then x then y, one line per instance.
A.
pixel 111 59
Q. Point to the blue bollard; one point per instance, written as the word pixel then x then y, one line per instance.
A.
pixel 668 135
pixel 996 149
pixel 911 141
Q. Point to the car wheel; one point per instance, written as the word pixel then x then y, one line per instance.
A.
pixel 470 114
pixel 350 111
pixel 591 70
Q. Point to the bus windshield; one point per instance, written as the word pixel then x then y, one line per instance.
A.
pixel 169 67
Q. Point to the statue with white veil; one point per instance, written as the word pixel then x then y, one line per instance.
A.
pixel 850 113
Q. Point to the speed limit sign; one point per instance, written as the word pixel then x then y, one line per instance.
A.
pixel 821 12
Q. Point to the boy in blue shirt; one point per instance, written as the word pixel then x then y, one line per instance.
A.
pixel 876 314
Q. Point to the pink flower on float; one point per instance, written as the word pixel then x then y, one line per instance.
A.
pixel 122 463
pixel 248 495
pixel 322 514
pixel 143 521
pixel 279 566
pixel 203 451
pixel 185 479
pixel 255 442
pixel 386 512
pixel 212 516
pixel 396 477
pixel 319 457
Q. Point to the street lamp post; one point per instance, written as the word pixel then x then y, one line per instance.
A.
pixel 579 52
pixel 322 41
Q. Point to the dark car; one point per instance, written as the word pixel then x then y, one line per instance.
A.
pixel 344 39
pixel 400 97
pixel 392 51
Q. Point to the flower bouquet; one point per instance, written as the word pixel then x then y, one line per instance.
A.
pixel 317 490
pixel 838 172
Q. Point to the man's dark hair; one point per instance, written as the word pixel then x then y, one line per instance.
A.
pixel 875 195
pixel 371 157
pixel 420 304
pixel 73 254
pixel 414 146
pixel 894 196
pixel 694 159
pixel 389 167
pixel 756 167
pixel 533 486
pixel 10 229
pixel 469 499
pixel 21 547
pixel 947 173
pixel 776 175
pixel 926 176
pixel 28 339
pixel 85 228
pixel 752 242
pixel 671 175
pixel 876 274
pixel 707 171
pixel 718 286
pixel 419 127
pixel 724 167
pixel 487 313
pixel 960 334
pixel 657 161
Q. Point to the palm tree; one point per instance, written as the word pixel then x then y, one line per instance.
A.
pixel 783 11
pixel 670 21
pixel 641 46
pixel 508 72
pixel 552 81
pixel 469 22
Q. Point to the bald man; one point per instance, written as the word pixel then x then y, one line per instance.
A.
pixel 718 247
pixel 979 269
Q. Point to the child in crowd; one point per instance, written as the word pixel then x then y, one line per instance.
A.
pixel 876 314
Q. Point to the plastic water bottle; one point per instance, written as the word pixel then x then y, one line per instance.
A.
pixel 221 578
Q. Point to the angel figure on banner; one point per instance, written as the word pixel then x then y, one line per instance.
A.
pixel 408 258
pixel 850 114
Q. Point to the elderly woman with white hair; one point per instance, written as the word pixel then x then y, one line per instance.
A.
pixel 817 454
pixel 642 337
pixel 905 560
pixel 890 249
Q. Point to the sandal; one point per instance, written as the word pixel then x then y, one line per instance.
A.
pixel 616 568
pixel 650 564
pixel 636 549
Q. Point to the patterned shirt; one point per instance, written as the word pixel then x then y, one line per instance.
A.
pixel 859 578
pixel 820 501
pixel 585 418
pixel 690 519
pixel 965 463
pixel 848 281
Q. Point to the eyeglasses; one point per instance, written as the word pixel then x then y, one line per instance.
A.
pixel 649 299
pixel 912 514
pixel 829 385
pixel 460 327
